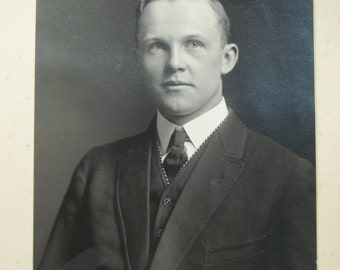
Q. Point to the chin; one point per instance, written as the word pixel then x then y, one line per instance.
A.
pixel 174 110
pixel 177 116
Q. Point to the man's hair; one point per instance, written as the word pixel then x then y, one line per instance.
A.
pixel 222 18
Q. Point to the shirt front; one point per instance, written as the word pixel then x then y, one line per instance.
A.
pixel 198 129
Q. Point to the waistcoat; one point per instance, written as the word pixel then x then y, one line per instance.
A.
pixel 163 197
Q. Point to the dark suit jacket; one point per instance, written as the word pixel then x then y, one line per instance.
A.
pixel 249 204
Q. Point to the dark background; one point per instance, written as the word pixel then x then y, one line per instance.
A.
pixel 88 91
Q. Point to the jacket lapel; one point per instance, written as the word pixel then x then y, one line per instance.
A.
pixel 133 201
pixel 210 182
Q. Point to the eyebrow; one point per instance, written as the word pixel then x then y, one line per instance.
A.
pixel 150 40
pixel 196 36
pixel 186 37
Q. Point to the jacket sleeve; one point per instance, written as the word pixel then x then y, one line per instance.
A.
pixel 69 238
pixel 296 219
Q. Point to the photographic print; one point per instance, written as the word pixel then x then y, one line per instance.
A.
pixel 117 81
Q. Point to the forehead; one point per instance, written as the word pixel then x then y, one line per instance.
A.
pixel 179 16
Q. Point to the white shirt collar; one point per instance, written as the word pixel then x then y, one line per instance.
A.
pixel 198 129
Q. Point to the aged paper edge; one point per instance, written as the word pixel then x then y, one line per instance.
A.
pixel 327 97
pixel 17 28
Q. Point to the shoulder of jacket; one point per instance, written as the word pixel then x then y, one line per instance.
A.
pixel 271 153
pixel 115 149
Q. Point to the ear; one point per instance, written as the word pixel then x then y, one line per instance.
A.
pixel 229 58
pixel 136 55
pixel 137 59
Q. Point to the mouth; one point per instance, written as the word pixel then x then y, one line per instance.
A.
pixel 175 84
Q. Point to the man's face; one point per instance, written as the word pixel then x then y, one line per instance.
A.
pixel 181 57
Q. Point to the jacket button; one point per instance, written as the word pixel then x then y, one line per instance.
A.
pixel 159 233
pixel 167 201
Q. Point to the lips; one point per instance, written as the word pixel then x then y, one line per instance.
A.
pixel 176 83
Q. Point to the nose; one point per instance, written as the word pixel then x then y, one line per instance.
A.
pixel 175 59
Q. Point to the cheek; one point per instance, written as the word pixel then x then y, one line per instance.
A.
pixel 208 73
pixel 215 63
pixel 153 62
pixel 152 69
pixel 210 63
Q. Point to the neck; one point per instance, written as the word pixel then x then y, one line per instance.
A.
pixel 180 120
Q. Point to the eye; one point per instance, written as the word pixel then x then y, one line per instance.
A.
pixel 156 46
pixel 194 44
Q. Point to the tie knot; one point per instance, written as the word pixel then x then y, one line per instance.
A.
pixel 178 137
pixel 177 155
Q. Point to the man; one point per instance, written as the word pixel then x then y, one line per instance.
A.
pixel 197 190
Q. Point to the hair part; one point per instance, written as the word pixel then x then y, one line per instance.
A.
pixel 222 18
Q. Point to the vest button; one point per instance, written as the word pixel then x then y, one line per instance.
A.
pixel 159 233
pixel 167 201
